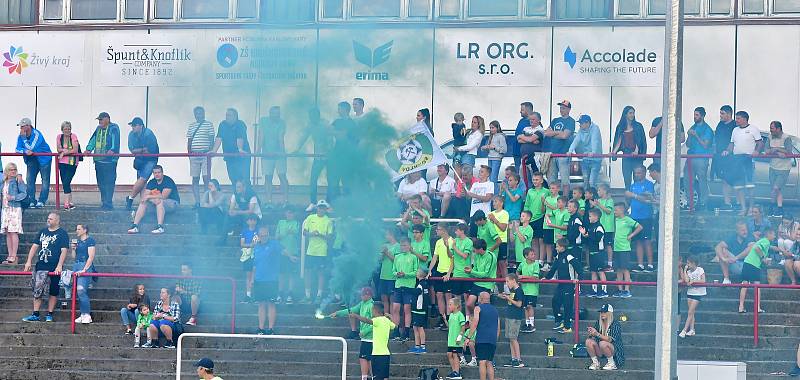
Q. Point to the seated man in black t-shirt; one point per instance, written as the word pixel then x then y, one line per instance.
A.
pixel 161 192
pixel 730 253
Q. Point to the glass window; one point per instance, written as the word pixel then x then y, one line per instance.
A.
pixel 375 8
pixel 539 7
pixel 752 6
pixel 332 9
pixel 479 8
pixel 628 7
pixel 449 8
pixel 719 7
pixel 164 9
pixel 17 12
pixel 656 7
pixel 134 9
pixel 786 6
pixel 203 8
pixel 582 9
pixel 246 9
pixel 284 11
pixel 419 8
pixel 94 10
pixel 691 7
pixel 53 9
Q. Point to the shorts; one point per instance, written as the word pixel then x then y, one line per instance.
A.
pixel 750 273
pixel 742 177
pixel 170 205
pixel 273 164
pixel 317 262
pixel 419 320
pixel 41 281
pixel 440 286
pixel 622 260
pixel 735 269
pixel 485 351
pixel 597 261
pixel 608 239
pixel 696 298
pixel 404 296
pixel 647 230
pixel 385 287
pixel 247 265
pixel 157 323
pixel 365 351
pixel 777 178
pixel 145 170
pixel 380 366
pixel 549 237
pixel 289 267
pixel 265 291
pixel 455 350
pixel 502 251
pixel 530 301
pixel 460 287
pixel 512 328
pixel 198 166
pixel 538 228
pixel 475 290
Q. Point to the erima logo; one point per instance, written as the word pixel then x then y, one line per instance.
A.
pixel 570 57
pixel 372 59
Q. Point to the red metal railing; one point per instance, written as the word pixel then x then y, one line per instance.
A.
pixel 140 275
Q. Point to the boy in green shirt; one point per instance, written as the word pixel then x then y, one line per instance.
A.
pixel 457 324
pixel 606 205
pixel 484 267
pixel 462 259
pixel 550 204
pixel 557 223
pixel 626 228
pixel 381 327
pixel 363 309
pixel 529 270
pixel 142 323
pixel 288 233
pixel 405 268
pixel 486 232
pixel 385 283
pixel 534 202
pixel 420 247
pixel 753 262
pixel 523 236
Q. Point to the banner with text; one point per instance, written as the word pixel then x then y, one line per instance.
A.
pixel 493 57
pixel 41 59
pixel 603 56
pixel 415 151
pixel 141 59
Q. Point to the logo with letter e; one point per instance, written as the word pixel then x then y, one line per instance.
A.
pixel 372 58
pixel 570 57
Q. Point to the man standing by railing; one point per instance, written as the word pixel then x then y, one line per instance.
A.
pixel 105 140
pixel 699 140
pixel 721 165
pixel 273 132
pixel 232 135
pixel 141 140
pixel 557 140
pixel 745 141
pixel 31 141
pixel 200 137
pixel 780 144
pixel 588 141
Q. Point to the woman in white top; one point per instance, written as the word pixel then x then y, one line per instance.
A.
pixel 477 129
pixel 692 274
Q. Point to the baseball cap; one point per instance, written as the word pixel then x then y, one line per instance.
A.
pixel 136 121
pixel 606 308
pixel 322 203
pixel 565 103
pixel 24 121
pixel 103 115
pixel 584 119
pixel 205 363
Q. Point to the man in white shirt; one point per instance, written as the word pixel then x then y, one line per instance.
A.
pixel 745 141
pixel 441 190
pixel 411 185
pixel 481 192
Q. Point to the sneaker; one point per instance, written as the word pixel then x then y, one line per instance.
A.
pixel 546 268
pixel 129 203
pixel 422 350
pixel 638 269
pixel 527 329
pixel 128 332
pixel 246 299
pixel 462 361
pixel 795 371
pixel 169 344
pixel 48 318
pixel 159 230
pixel 510 363
pixel 31 318
pixel 413 350
pixel 192 321
pixel 134 229
pixel 726 280
pixel 261 332
pixel 149 344
pixel 39 205
pixel 590 294
pixel 289 300
pixel 608 268
pixel 610 367
pixel 650 269
pixel 136 345
pixel 565 330
pixel 79 319
pixel 352 335
pixel 454 376
pixel 626 294
pixel 682 334
pixel 558 326
pixel 594 366
pixel 618 294
pixel 690 333
pixel 87 319
pixel 269 332
pixel 69 206
pixel 405 339
pixel 519 364
pixel 601 294
pixel 473 362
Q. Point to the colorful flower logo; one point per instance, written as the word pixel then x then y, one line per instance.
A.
pixel 15 60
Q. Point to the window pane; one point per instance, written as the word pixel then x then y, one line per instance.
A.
pixel 134 9
pixel 478 8
pixel 18 12
pixel 691 7
pixel 375 8
pixel 719 7
pixel 786 6
pixel 53 9
pixel 449 8
pixel 205 9
pixel 332 8
pixel 537 7
pixel 164 9
pixel 94 9
pixel 753 6
pixel 419 8
pixel 656 7
pixel 286 11
pixel 582 9
pixel 628 8
pixel 246 9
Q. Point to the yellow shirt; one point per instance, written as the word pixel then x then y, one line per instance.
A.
pixel 502 217
pixel 440 251
pixel 318 245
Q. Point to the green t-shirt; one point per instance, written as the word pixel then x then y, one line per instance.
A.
pixel 559 218
pixel 754 258
pixel 422 247
pixel 440 251
pixel 364 309
pixel 485 267
pixel 288 233
pixel 427 233
pixel 454 323
pixel 381 327
pixel 318 245
pixel 607 218
pixel 624 226
pixel 502 217
pixel 531 270
pixel 488 234
pixel 519 246
pixel 459 263
pixel 386 263
pixel 408 264
pixel 548 212
pixel 533 202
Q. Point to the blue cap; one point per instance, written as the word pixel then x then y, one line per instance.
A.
pixel 136 121
pixel 205 363
pixel 584 119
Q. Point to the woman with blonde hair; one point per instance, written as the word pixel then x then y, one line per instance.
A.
pixel 605 339
pixel 68 147
pixel 477 130
pixel 13 192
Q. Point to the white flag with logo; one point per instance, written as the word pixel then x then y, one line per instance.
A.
pixel 415 151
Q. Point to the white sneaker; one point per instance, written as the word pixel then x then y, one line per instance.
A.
pixel 86 319
pixel 682 334
pixel 594 366
pixel 311 207
pixel 726 281
pixel 462 361
pixel 690 333
pixel 158 230
pixel 610 367
pixel 133 230
pixel 472 363
pixel 79 319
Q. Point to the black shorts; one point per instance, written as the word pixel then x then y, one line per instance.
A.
pixel 485 351
pixel 456 350
pixel 380 366
pixel 608 239
pixel 318 262
pixel 741 175
pixel 530 301
pixel 365 352
pixel 549 237
pixel 440 286
pixel 696 298
pixel 622 260
pixel 538 228
pixel 385 287
pixel 460 287
pixel 404 296
pixel 419 320
pixel 502 251
pixel 647 230
pixel 597 261
pixel 265 291
pixel 247 265
pixel 750 273
pixel 476 290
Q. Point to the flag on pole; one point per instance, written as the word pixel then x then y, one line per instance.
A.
pixel 415 151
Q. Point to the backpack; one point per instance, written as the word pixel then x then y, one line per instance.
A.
pixel 579 351
pixel 428 374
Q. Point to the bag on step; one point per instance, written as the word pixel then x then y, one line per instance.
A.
pixel 579 351
pixel 428 374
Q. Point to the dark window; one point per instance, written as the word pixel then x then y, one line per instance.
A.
pixel 53 10
pixel 582 9
pixel 489 8
pixel 134 9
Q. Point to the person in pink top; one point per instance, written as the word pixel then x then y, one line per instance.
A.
pixel 67 147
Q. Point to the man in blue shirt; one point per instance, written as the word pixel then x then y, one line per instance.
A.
pixel 31 141
pixel 588 141
pixel 700 140
pixel 640 196
pixel 557 141
pixel 266 264
pixel 525 109
pixel 141 140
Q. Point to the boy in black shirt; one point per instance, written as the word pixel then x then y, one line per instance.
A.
pixel 565 267
pixel 419 313
pixel 514 317
pixel 593 240
pixel 574 224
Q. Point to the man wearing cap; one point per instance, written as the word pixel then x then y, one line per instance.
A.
pixel 141 140
pixel 605 339
pixel 588 141
pixel 557 141
pixel 205 369
pixel 105 140
pixel 31 141
pixel 318 229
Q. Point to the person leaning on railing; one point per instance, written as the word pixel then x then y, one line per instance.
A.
pixel 30 141
pixel 13 192
pixel 67 146
pixel 105 140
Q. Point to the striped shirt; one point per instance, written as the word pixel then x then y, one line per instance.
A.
pixel 203 136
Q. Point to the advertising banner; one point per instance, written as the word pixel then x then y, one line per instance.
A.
pixel 41 59
pixel 492 57
pixel 604 56
pixel 141 59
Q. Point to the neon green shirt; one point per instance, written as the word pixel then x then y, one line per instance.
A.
pixel 753 257
pixel 485 267
pixel 318 245
pixel 440 251
pixel 533 202
pixel 459 263
pixel 364 309
pixel 454 324
pixel 422 247
pixel 624 226
pixel 502 217
pixel 386 263
pixel 488 234
pixel 530 270
pixel 607 218
pixel 408 264
pixel 519 246
pixel 381 326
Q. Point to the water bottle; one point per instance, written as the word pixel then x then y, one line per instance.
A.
pixel 551 348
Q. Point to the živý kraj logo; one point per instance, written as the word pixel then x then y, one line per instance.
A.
pixel 570 57
pixel 372 59
pixel 227 55
pixel 15 60
pixel 410 153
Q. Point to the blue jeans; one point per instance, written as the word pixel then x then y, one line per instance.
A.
pixel 591 172
pixel 495 165
pixel 83 288
pixel 36 168
pixel 129 317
